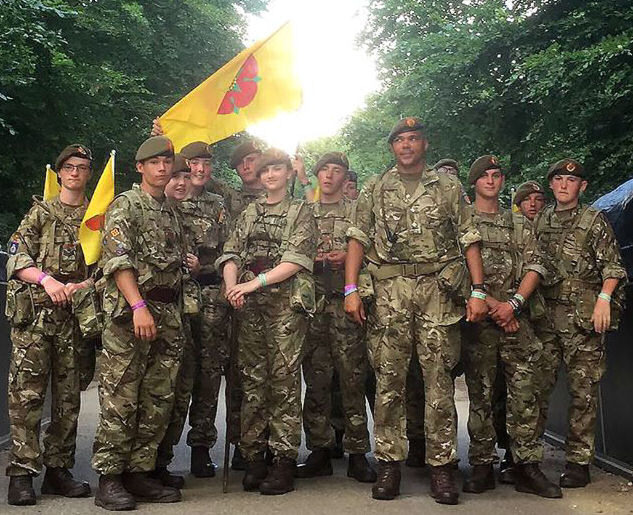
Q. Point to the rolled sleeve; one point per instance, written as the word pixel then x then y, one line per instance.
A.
pixel 354 233
pixel 535 267
pixel 298 259
pixel 117 263
pixel 225 258
pixel 17 263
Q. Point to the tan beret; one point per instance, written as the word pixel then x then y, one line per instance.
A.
pixel 334 158
pixel 153 147
pixel 196 149
pixel 566 167
pixel 405 125
pixel 74 150
pixel 481 165
pixel 525 190
pixel 272 156
pixel 241 151
pixel 180 164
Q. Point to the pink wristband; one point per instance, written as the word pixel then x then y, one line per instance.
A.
pixel 350 288
pixel 42 276
pixel 140 304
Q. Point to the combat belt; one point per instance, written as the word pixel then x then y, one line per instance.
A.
pixel 388 271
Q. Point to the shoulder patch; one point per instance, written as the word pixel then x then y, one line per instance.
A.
pixel 13 247
pixel 115 232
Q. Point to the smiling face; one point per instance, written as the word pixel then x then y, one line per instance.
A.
pixel 490 184
pixel 531 205
pixel 567 189
pixel 156 171
pixel 75 173
pixel 331 178
pixel 275 177
pixel 409 148
pixel 201 168
pixel 179 186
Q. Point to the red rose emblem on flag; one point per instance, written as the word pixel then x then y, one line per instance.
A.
pixel 243 90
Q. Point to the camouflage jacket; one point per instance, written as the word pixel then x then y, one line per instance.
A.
pixel 262 237
pixel 206 224
pixel 426 227
pixel 144 234
pixel 48 238
pixel 236 200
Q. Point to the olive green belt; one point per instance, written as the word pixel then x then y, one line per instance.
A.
pixel 387 271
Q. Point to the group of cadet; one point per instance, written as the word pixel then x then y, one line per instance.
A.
pixel 386 298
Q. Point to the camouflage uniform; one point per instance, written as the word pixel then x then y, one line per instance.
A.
pixel 271 333
pixel 576 252
pixel 486 347
pixel 416 244
pixel 46 343
pixel 334 341
pixel 137 378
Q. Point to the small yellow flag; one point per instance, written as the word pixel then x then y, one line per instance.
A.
pixel 51 186
pixel 92 225
pixel 317 193
pixel 257 84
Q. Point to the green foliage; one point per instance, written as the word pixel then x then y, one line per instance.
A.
pixel 97 73
pixel 532 82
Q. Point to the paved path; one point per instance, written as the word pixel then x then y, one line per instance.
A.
pixel 607 494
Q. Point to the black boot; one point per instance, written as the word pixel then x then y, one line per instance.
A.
pixel 238 462
pixel 280 479
pixel 359 468
pixel 317 464
pixel 201 464
pixel 59 481
pixel 111 494
pixel 387 485
pixel 338 452
pixel 575 476
pixel 21 491
pixel 167 478
pixel 481 479
pixel 529 478
pixel 145 488
pixel 443 487
pixel 506 469
pixel 416 457
pixel 256 472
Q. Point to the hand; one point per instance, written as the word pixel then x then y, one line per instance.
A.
pixel 71 288
pixel 157 129
pixel 320 257
pixel 512 326
pixel 354 308
pixel 502 314
pixel 56 291
pixel 192 263
pixel 299 168
pixel 236 294
pixel 476 310
pixel 144 326
pixel 491 302
pixel 601 316
pixel 337 259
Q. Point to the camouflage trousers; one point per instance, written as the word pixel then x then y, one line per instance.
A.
pixel 413 312
pixel 210 347
pixel 137 380
pixel 271 337
pixel 335 342
pixel 46 348
pixel 415 400
pixel 584 355
pixel 338 417
pixel 484 345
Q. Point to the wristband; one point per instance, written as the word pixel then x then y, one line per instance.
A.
pixel 520 298
pixel 478 294
pixel 481 287
pixel 42 278
pixel 516 305
pixel 262 279
pixel 604 296
pixel 140 304
pixel 349 289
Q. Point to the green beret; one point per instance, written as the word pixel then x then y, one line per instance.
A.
pixel 241 151
pixel 352 176
pixel 74 150
pixel 272 156
pixel 333 158
pixel 196 149
pixel 153 147
pixel 525 190
pixel 180 164
pixel 405 125
pixel 481 166
pixel 446 162
pixel 566 167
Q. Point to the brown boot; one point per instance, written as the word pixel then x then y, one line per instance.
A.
pixel 201 463
pixel 506 469
pixel 317 464
pixel 280 479
pixel 359 468
pixel 575 476
pixel 21 491
pixel 111 494
pixel 443 487
pixel 529 478
pixel 238 462
pixel 387 485
pixel 59 481
pixel 482 479
pixel 145 488
pixel 256 472
pixel 416 457
pixel 167 478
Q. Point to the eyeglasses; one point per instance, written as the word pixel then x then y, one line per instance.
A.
pixel 67 167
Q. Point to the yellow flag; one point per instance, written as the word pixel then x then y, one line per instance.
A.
pixel 51 186
pixel 317 193
pixel 92 225
pixel 257 84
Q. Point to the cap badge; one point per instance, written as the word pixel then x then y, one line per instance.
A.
pixel 410 122
pixel 494 160
pixel 570 167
